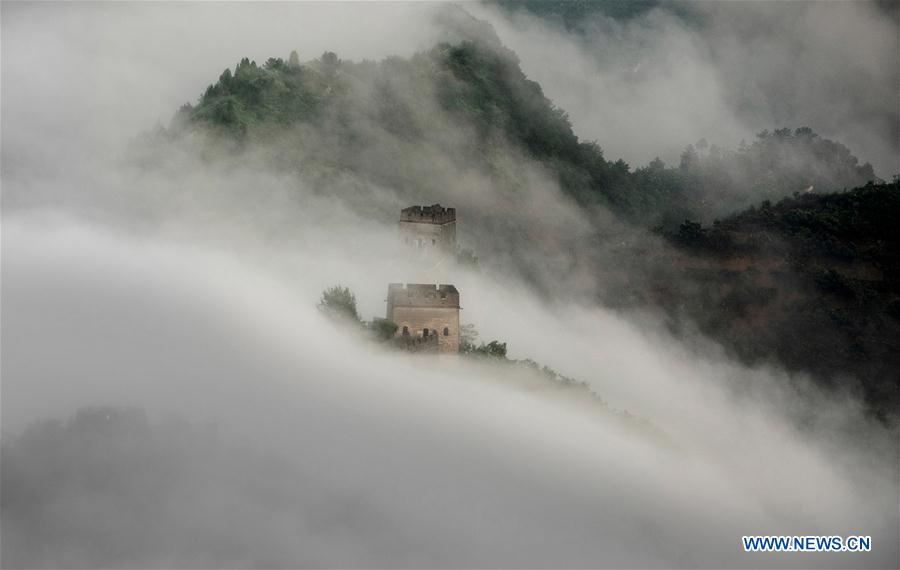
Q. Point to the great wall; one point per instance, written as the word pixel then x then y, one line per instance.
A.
pixel 426 314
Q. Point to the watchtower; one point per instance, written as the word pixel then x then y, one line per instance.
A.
pixel 426 310
pixel 430 229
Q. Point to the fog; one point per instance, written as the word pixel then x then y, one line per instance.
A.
pixel 189 291
pixel 721 71
pixel 401 461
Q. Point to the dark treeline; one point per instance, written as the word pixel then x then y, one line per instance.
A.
pixel 811 282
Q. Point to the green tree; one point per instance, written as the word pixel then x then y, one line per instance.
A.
pixel 339 303
pixel 494 349
pixel 466 258
pixel 467 337
pixel 383 329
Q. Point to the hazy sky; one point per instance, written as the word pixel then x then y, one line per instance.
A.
pixel 645 87
pixel 723 71
pixel 192 290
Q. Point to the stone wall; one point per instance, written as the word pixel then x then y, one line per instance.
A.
pixel 442 322
pixel 417 343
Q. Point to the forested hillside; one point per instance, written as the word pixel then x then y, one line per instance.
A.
pixel 479 84
pixel 811 282
pixel 804 276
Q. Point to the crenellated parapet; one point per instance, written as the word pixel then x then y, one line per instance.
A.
pixel 422 295
pixel 430 231
pixel 434 214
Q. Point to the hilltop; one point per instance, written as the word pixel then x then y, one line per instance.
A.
pixel 331 115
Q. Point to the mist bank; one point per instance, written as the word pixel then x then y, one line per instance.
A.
pixel 392 122
pixel 298 445
pixel 679 72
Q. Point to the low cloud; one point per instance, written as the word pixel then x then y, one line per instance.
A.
pixel 410 461
pixel 652 84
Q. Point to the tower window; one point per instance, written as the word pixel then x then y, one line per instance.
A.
pixel 446 331
pixel 425 333
pixel 405 330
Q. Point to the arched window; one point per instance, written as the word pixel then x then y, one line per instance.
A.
pixel 405 330
pixel 425 333
pixel 446 331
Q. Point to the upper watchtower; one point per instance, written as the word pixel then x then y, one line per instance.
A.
pixel 431 229
pixel 433 214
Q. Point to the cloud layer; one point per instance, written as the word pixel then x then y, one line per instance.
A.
pixel 723 71
pixel 404 461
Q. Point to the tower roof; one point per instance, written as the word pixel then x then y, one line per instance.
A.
pixel 435 214
pixel 422 295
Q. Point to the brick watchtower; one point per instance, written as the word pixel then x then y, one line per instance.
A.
pixel 431 229
pixel 426 310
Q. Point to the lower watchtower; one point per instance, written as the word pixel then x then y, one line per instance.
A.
pixel 426 310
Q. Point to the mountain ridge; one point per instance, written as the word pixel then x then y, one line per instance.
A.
pixel 756 278
pixel 481 85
